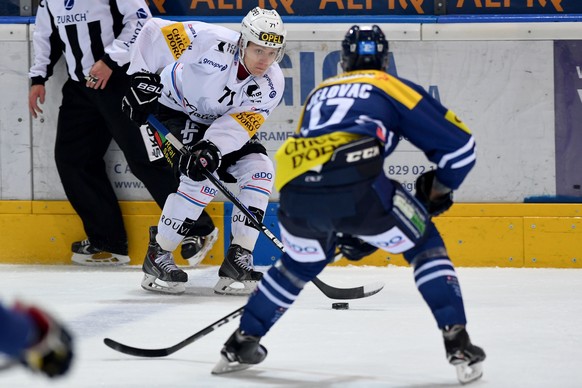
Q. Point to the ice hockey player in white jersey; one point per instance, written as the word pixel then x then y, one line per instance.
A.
pixel 213 88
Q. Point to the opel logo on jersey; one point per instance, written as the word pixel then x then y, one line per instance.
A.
pixel 141 14
pixel 69 4
pixel 271 38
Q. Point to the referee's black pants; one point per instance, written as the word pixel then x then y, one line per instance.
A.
pixel 88 120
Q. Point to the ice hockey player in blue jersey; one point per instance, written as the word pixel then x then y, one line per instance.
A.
pixel 31 337
pixel 334 194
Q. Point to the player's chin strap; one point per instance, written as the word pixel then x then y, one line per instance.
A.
pixel 329 291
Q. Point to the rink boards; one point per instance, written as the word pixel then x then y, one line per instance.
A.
pixel 476 235
pixel 518 86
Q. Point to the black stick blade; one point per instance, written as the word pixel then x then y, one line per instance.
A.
pixel 135 351
pixel 348 293
pixel 140 352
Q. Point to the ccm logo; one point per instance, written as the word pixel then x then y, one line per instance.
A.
pixel 363 154
pixel 149 88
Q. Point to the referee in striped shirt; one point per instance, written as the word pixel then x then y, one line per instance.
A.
pixel 95 37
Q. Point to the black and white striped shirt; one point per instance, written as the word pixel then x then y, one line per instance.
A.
pixel 84 31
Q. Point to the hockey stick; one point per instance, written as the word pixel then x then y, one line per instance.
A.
pixel 162 352
pixel 329 291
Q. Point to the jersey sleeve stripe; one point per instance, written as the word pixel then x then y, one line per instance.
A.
pixel 468 148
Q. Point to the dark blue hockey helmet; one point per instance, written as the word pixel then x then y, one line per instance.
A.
pixel 364 48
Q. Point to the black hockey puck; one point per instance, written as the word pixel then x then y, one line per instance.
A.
pixel 340 306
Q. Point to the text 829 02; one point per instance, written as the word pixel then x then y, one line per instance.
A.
pixel 396 169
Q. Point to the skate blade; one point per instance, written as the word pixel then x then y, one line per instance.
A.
pixel 208 244
pixel 468 373
pixel 101 259
pixel 228 286
pixel 224 366
pixel 152 283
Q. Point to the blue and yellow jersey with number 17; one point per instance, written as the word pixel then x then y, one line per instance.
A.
pixel 375 104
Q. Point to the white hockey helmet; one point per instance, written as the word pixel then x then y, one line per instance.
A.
pixel 265 28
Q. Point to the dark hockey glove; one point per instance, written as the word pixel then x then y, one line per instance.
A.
pixel 354 249
pixel 52 353
pixel 424 184
pixel 141 98
pixel 204 155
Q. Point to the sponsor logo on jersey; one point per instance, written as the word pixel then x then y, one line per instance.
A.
pixel 256 212
pixel 176 39
pixel 270 37
pixel 136 31
pixel 69 4
pixel 206 61
pixel 192 30
pixel 210 191
pixel 298 155
pixel 266 111
pixel 296 247
pixel 251 89
pixel 190 132
pixel 171 97
pixel 141 13
pixel 273 92
pixel 70 19
pixel 262 176
pixel 193 112
pixel 302 249
pixel 313 178
pixel 186 226
pixel 226 47
pixel 254 93
pixel 249 121
pixel 367 153
pixel 173 223
pixel 393 241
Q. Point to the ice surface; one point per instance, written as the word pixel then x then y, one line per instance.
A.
pixel 529 321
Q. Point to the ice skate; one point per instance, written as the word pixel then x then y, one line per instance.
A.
pixel 240 352
pixel 160 272
pixel 85 253
pixel 195 248
pixel 466 357
pixel 236 274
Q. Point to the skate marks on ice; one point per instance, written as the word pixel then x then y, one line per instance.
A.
pixel 387 340
pixel 257 376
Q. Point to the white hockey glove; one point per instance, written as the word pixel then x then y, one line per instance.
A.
pixel 141 98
